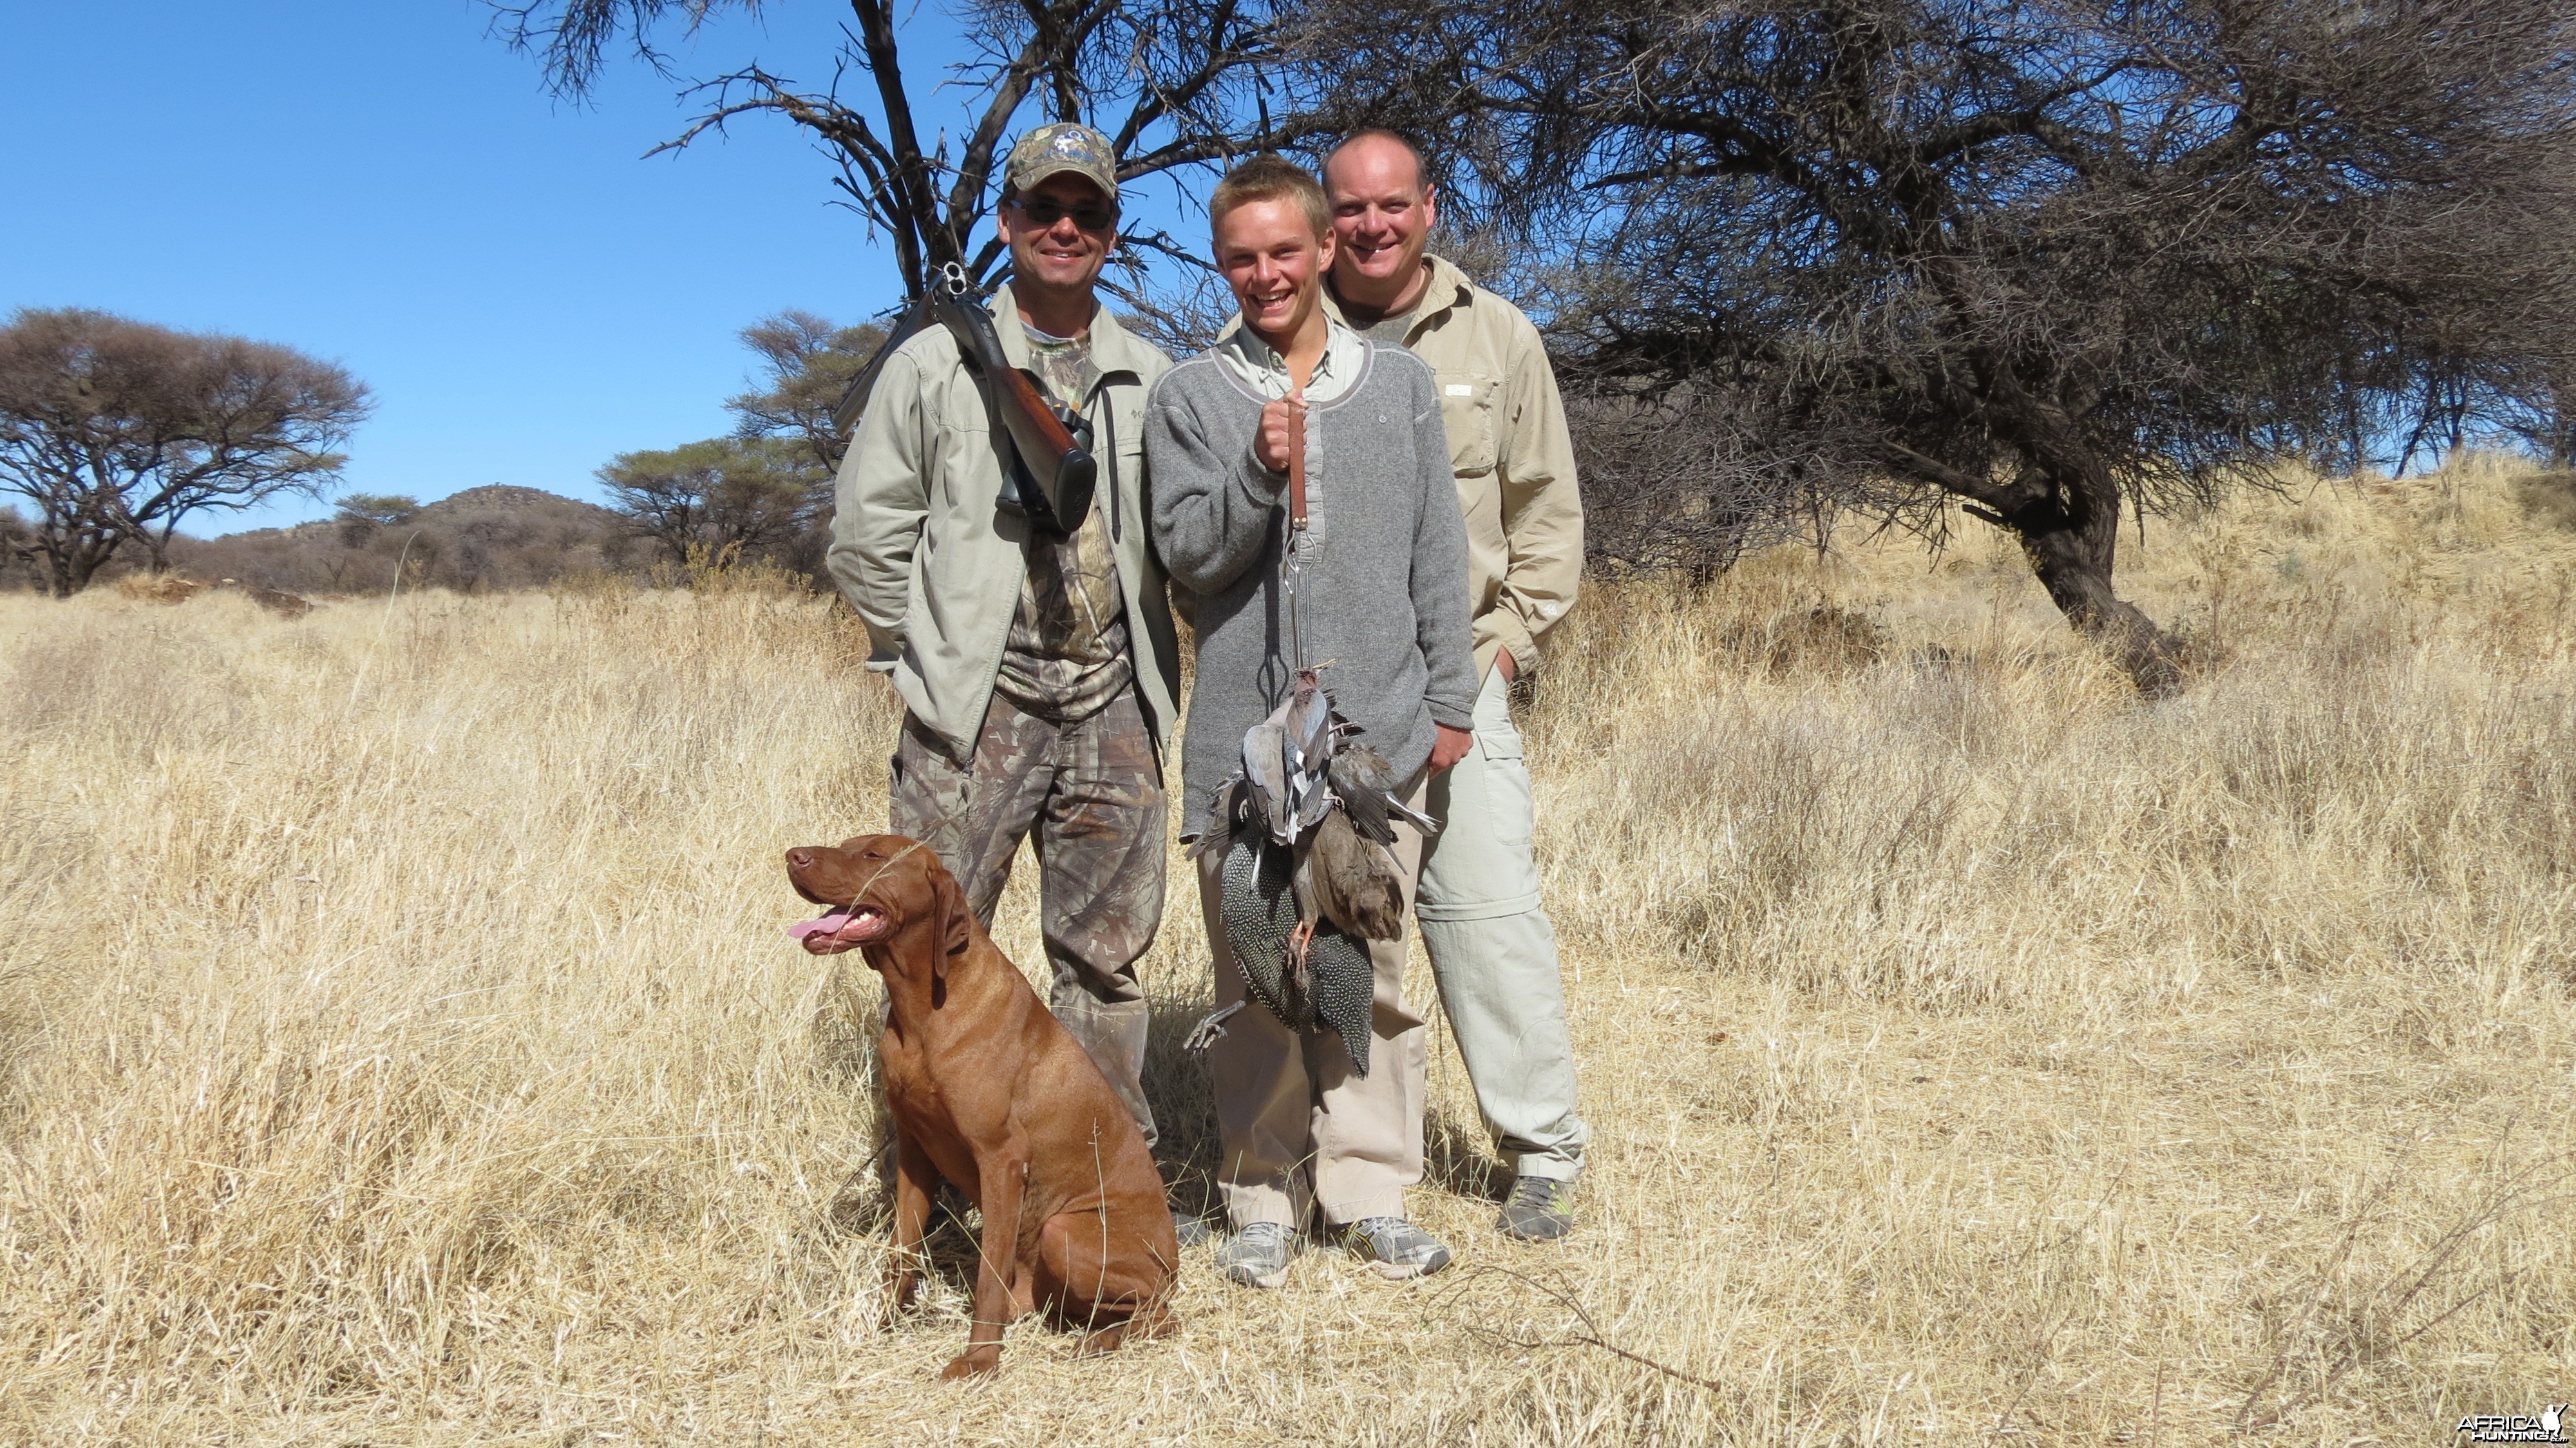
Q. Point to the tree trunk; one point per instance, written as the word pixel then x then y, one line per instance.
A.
pixel 2068 533
pixel 70 562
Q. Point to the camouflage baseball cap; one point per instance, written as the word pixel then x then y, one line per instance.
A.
pixel 1061 146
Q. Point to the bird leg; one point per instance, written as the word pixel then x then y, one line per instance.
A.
pixel 1210 1030
pixel 1299 939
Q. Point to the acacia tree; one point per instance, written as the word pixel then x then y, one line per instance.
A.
pixel 807 365
pixel 117 431
pixel 2040 259
pixel 17 540
pixel 1173 83
pixel 726 494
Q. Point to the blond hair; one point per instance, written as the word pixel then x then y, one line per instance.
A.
pixel 1270 177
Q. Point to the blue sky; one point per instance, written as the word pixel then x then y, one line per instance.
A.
pixel 382 183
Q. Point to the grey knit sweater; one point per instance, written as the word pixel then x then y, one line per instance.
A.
pixel 1383 593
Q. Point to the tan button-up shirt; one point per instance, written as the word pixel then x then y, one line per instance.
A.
pixel 1513 459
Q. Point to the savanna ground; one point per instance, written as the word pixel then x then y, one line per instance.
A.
pixel 402 1045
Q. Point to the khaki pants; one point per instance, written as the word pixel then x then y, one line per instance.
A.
pixel 1493 949
pixel 1297 1125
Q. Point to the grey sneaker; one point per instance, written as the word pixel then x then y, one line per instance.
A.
pixel 1394 1248
pixel 1540 1209
pixel 1257 1256
pixel 1192 1231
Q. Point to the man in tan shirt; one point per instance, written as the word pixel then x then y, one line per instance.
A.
pixel 1491 944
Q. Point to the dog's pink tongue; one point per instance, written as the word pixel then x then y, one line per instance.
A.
pixel 829 924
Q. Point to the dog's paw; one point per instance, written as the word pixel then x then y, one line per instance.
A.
pixel 974 1362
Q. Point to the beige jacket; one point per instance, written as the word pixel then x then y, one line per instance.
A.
pixel 1514 461
pixel 934 567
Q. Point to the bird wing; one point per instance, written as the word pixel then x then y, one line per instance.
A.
pixel 1265 769
pixel 1366 784
pixel 1414 817
pixel 1366 807
pixel 1225 815
pixel 1364 768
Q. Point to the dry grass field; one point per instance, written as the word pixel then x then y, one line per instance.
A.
pixel 401 1045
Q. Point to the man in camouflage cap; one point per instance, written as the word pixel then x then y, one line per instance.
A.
pixel 1038 670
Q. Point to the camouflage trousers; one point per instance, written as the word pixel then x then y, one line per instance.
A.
pixel 1088 795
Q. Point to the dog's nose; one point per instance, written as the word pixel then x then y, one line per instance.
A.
pixel 800 859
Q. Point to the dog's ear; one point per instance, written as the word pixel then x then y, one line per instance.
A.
pixel 956 921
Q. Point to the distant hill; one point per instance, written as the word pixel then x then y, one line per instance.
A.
pixel 482 538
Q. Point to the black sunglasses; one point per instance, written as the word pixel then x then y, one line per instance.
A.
pixel 1090 217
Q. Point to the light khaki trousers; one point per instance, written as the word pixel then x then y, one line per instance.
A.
pixel 1493 949
pixel 1296 1124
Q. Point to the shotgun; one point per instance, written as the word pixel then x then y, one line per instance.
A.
pixel 1056 472
pixel 1051 479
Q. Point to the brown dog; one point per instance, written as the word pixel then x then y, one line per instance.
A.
pixel 990 1093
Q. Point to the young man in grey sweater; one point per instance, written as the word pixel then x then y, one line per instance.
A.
pixel 1381 595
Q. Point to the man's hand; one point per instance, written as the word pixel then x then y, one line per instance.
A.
pixel 1281 421
pixel 1450 747
pixel 1503 660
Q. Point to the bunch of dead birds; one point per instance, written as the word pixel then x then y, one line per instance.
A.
pixel 1307 825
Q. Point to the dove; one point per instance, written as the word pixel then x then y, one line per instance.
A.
pixel 1266 771
pixel 1349 881
pixel 1228 810
pixel 1287 759
pixel 1311 738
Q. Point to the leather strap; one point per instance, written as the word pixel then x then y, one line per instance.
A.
pixel 1297 467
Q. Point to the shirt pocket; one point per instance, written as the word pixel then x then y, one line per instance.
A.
pixel 1467 411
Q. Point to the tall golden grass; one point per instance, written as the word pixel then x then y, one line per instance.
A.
pixel 401 1045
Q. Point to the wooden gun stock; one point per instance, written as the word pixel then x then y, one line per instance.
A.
pixel 1061 472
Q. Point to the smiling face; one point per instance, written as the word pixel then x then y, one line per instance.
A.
pixel 1383 212
pixel 1275 261
pixel 1052 251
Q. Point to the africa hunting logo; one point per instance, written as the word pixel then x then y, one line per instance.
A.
pixel 2514 1427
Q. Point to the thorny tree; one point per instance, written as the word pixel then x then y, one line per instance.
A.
pixel 1173 83
pixel 2038 258
pixel 728 496
pixel 118 430
pixel 809 364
